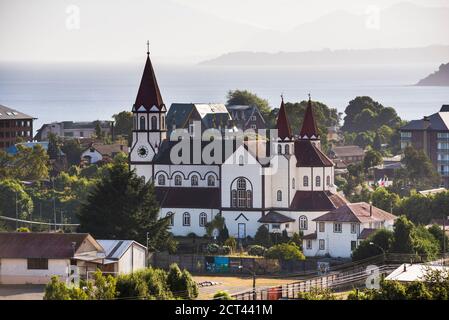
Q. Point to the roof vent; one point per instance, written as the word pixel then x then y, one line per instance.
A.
pixel 445 108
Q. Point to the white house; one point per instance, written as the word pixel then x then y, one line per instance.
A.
pixel 293 187
pixel 33 258
pixel 415 272
pixel 101 151
pixel 340 231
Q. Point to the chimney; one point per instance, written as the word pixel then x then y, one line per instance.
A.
pixel 405 267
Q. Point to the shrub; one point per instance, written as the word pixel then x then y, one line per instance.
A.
pixel 232 243
pixel 213 248
pixel 256 250
pixel 223 295
pixel 57 290
pixel 225 250
pixel 132 286
pixel 285 252
pixel 317 294
pixel 181 283
pixel 263 237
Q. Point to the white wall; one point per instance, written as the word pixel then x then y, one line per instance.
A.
pixel 14 271
pixel 186 172
pixel 94 155
pixel 132 260
pixel 233 218
pixel 178 229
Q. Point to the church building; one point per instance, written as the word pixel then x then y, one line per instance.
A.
pixel 288 192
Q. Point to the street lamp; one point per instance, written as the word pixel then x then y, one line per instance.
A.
pixel 253 273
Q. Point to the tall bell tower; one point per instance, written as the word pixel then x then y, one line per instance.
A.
pixel 149 127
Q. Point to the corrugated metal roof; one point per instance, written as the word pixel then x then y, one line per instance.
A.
pixel 413 272
pixel 114 249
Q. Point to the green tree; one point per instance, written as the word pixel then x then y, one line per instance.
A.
pixel 376 244
pixel 417 208
pixel 439 234
pixel 285 252
pixel 122 206
pixel 9 190
pixel 181 283
pixel 57 290
pixel 421 173
pixel 29 164
pixel 222 295
pixel 372 158
pixel 54 149
pixel 245 97
pixel 262 237
pixel 316 293
pixel 73 150
pixel 123 124
pixel 403 237
pixel 385 200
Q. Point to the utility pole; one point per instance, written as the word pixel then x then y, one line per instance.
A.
pixel 54 203
pixel 17 214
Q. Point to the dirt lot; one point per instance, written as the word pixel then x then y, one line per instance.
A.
pixel 237 284
pixel 21 292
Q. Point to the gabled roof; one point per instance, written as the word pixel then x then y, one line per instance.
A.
pixel 309 155
pixel 11 114
pixel 188 197
pixel 148 94
pixel 282 124
pixel 347 151
pixel 357 212
pixel 309 128
pixel 211 114
pixel 23 245
pixel 316 201
pixel 114 249
pixel 109 149
pixel 436 122
pixel 366 233
pixel 275 217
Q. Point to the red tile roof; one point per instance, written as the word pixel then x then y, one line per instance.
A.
pixel 309 128
pixel 316 201
pixel 282 124
pixel 309 155
pixel 148 94
pixel 356 212
pixel 188 197
pixel 23 245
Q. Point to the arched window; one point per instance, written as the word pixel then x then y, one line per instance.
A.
pixel 242 197
pixel 287 149
pixel 279 195
pixel 194 180
pixel 186 219
pixel 203 219
pixel 305 181
pixel 211 181
pixel 328 181
pixel 153 123
pixel 142 123
pixel 172 218
pixel 293 183
pixel 178 180
pixel 279 149
pixel 318 181
pixel 302 223
pixel 161 180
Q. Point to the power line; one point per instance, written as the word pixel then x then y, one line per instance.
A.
pixel 43 223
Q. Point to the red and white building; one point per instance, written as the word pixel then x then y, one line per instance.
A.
pixel 288 192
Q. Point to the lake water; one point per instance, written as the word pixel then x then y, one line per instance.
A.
pixel 77 92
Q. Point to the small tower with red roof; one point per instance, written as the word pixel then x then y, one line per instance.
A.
pixel 285 136
pixel 309 130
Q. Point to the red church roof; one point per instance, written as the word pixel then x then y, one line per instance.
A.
pixel 149 94
pixel 282 124
pixel 309 128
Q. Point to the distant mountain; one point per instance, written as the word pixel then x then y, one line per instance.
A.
pixel 438 78
pixel 334 57
pixel 402 25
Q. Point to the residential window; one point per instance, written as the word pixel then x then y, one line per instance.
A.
pixel 142 123
pixel 321 227
pixel 337 227
pixel 353 245
pixel 353 228
pixel 37 264
pixel 178 180
pixel 203 219
pixel 318 181
pixel 321 244
pixel 279 195
pixel 309 244
pixel 161 180
pixel 253 118
pixel 303 223
pixel 211 181
pixel 276 226
pixel 194 180
pixel 172 218
pixel 186 219
pixel 253 126
pixel 305 181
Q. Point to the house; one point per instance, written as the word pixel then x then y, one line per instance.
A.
pixel 102 152
pixel 123 256
pixel 70 129
pixel 339 231
pixel 407 272
pixel 14 125
pixel 246 117
pixel 431 134
pixel 347 154
pixel 33 257
pixel 183 116
pixel 285 182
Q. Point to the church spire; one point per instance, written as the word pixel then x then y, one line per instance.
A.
pixel 148 94
pixel 309 128
pixel 282 124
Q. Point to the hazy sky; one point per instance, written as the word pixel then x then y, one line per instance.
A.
pixel 179 30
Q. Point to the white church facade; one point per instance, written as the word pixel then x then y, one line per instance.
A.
pixel 287 192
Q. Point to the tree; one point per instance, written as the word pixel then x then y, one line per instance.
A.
pixel 181 283
pixel 245 97
pixel 384 199
pixel 29 164
pixel 372 158
pixel 285 252
pixel 417 208
pixel 57 290
pixel 376 244
pixel 439 234
pixel 316 293
pixel 53 149
pixel 222 295
pixel 122 206
pixel 123 124
pixel 9 190
pixel 72 149
pixel 421 173
pixel 98 133
pixel 403 238
pixel 262 237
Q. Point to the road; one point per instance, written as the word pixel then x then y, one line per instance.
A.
pixel 21 292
